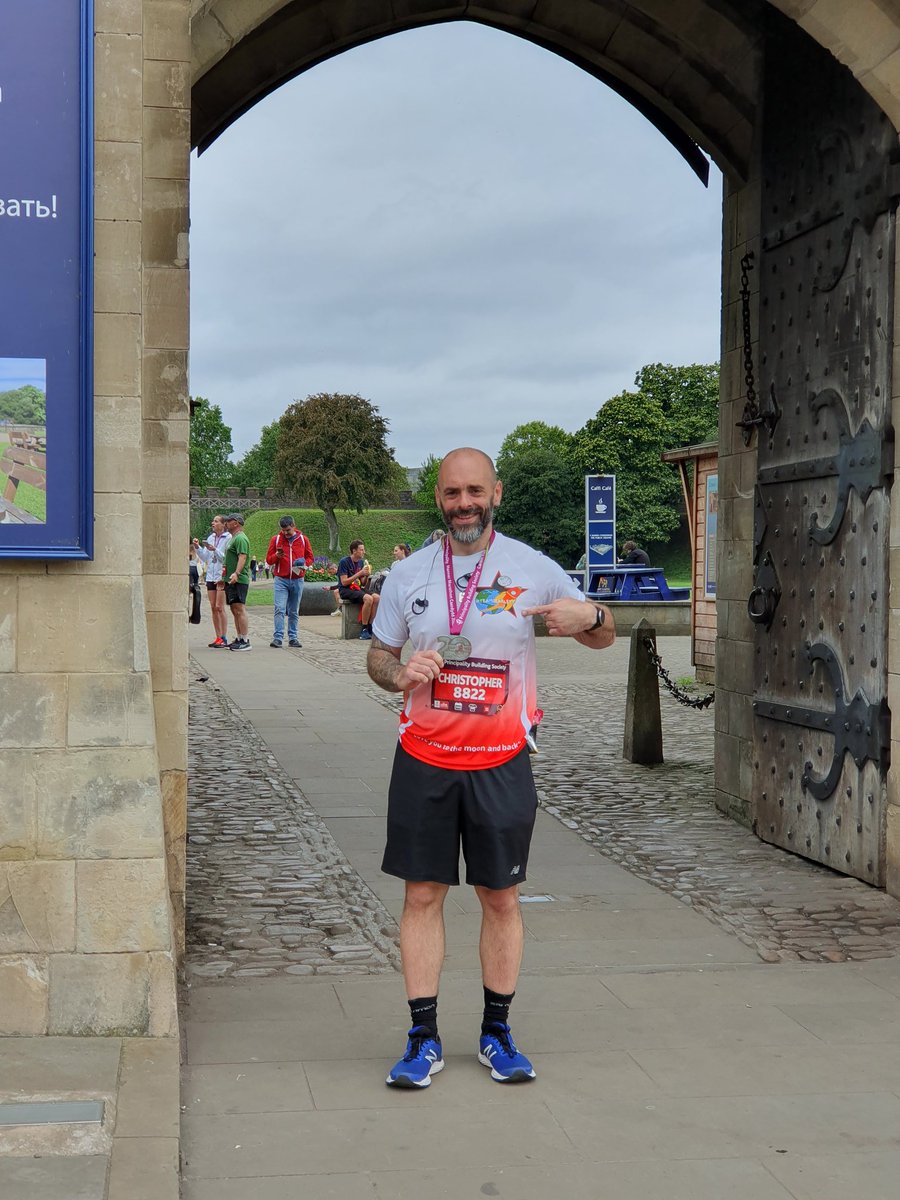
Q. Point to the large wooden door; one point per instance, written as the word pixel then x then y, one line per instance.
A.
pixel 822 503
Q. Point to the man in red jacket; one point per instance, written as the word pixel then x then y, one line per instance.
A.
pixel 289 555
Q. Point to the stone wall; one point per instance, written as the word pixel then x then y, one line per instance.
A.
pixel 93 712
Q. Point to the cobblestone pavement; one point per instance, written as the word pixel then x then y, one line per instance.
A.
pixel 268 890
pixel 661 823
pixel 277 895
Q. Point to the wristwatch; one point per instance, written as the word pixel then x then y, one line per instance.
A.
pixel 598 620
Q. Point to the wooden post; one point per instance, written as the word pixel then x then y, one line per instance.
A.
pixel 643 725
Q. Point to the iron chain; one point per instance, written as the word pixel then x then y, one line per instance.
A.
pixel 679 693
pixel 752 415
pixel 749 382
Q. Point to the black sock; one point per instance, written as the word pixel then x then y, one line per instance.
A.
pixel 424 1013
pixel 496 1008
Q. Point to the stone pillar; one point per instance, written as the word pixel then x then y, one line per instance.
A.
pixel 737 475
pixel 92 654
pixel 165 407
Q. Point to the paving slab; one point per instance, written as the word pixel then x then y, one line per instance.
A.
pixel 29 1066
pixel 742 1127
pixel 774 1070
pixel 80 1177
pixel 868 1022
pixel 246 1087
pixel 736 1179
pixel 749 985
pixel 253 1145
pixel 871 1176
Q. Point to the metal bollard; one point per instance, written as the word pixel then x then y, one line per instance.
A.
pixel 643 726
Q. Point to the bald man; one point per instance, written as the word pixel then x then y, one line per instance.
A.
pixel 461 774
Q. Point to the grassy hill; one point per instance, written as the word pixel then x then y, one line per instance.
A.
pixel 381 529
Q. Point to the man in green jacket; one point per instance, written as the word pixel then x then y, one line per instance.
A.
pixel 237 580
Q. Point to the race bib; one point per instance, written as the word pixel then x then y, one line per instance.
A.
pixel 477 686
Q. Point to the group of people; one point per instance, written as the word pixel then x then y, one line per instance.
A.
pixel 226 554
pixel 229 570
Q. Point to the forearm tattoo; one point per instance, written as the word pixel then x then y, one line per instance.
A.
pixel 383 664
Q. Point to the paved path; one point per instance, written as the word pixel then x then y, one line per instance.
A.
pixel 673 1062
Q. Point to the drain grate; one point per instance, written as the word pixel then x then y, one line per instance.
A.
pixel 540 899
pixel 52 1112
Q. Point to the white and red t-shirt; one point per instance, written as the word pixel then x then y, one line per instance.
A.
pixel 478 712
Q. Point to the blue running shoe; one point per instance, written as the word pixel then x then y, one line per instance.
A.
pixel 498 1051
pixel 423 1058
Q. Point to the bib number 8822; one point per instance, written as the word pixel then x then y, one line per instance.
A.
pixel 469 693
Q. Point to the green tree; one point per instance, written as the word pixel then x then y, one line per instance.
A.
pixel 332 447
pixel 26 405
pixel 424 496
pixel 210 446
pixel 688 397
pixel 256 469
pixel 533 435
pixel 625 439
pixel 673 406
pixel 543 504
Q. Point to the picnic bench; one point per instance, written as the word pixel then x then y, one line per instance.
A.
pixel 633 583
pixel 21 464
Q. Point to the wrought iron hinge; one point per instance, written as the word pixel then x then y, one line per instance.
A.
pixel 860 727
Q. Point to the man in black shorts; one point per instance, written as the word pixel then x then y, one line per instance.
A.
pixel 461 772
pixel 237 580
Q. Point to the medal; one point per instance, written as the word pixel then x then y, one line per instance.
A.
pixel 454 648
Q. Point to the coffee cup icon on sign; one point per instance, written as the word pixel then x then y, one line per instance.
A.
pixel 600 506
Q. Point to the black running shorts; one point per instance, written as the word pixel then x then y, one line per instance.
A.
pixel 434 810
pixel 236 593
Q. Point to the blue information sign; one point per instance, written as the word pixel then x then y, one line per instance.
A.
pixel 600 522
pixel 46 264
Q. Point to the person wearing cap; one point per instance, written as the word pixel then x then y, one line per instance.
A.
pixel 289 555
pixel 237 580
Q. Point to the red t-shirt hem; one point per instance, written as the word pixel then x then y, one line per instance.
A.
pixel 457 760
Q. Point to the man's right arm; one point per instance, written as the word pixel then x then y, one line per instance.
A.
pixel 385 668
pixel 383 664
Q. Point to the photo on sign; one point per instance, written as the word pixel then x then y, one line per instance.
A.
pixel 23 441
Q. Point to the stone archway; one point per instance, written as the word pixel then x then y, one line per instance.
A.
pixel 696 71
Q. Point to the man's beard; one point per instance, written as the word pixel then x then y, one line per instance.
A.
pixel 469 533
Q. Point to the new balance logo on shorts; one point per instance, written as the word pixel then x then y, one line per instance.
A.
pixel 515 870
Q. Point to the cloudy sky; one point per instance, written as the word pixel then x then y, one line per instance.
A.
pixel 455 224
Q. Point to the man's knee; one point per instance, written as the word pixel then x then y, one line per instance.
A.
pixel 501 902
pixel 420 897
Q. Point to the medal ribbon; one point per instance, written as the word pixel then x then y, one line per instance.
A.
pixel 458 614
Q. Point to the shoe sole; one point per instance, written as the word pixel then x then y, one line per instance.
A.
pixel 404 1081
pixel 518 1076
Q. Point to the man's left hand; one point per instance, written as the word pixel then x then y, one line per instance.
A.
pixel 566 617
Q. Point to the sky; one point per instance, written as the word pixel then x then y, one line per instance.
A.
pixel 459 226
pixel 18 372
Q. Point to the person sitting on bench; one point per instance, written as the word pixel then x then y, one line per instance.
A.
pixel 353 576
pixel 633 556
